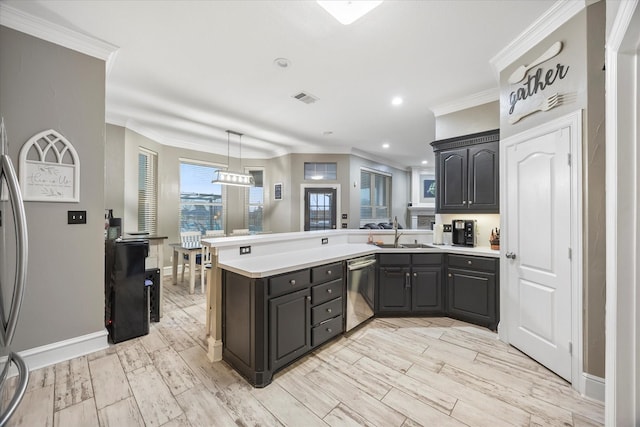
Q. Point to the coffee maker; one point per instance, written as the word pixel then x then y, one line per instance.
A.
pixel 463 232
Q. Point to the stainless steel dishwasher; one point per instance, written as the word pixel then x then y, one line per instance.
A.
pixel 361 283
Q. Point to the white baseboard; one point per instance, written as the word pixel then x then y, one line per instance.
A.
pixel 60 351
pixel 592 386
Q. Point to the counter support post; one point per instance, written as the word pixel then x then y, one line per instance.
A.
pixel 214 309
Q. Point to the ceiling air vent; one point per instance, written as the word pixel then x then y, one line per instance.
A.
pixel 305 97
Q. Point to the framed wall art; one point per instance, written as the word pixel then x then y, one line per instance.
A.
pixel 49 169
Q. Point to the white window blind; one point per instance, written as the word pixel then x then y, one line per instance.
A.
pixel 147 191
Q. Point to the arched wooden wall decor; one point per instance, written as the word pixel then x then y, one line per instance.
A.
pixel 49 169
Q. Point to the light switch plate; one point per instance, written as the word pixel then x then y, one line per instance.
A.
pixel 76 217
pixel 325 240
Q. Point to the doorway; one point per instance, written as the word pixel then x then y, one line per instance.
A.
pixel 320 208
pixel 542 267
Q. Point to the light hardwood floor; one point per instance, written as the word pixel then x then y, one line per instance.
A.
pixel 391 372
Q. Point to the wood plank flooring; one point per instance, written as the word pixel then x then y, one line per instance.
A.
pixel 405 372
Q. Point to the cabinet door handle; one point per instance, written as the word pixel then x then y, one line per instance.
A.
pixel 407 281
pixel 470 202
pixel 469 262
pixel 328 272
pixel 329 330
pixel 308 297
pixel 292 281
pixel 328 310
pixel 464 202
pixel 329 291
pixel 415 274
pixel 450 275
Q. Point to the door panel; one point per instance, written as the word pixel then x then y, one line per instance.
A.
pixel 453 194
pixel 483 177
pixel 538 232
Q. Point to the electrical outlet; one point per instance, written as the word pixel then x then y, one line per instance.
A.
pixel 76 217
pixel 345 225
pixel 446 228
pixel 244 250
pixel 325 240
pixel 344 216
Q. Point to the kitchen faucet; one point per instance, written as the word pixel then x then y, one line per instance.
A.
pixel 395 229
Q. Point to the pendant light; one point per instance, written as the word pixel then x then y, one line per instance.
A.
pixel 228 177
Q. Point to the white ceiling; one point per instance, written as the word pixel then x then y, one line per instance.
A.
pixel 186 71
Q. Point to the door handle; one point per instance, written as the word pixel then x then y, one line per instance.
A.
pixel 510 255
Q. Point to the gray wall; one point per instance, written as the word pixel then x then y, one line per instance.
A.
pixel 471 120
pixel 45 86
pixel 583 37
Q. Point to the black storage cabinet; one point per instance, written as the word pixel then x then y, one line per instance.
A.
pixel 126 296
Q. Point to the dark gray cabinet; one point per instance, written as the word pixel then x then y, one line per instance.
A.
pixel 467 173
pixel 410 284
pixel 268 323
pixel 289 330
pixel 472 289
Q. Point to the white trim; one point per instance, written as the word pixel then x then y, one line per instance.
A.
pixel 574 122
pixel 480 98
pixel 60 351
pixel 593 386
pixel 21 21
pixel 622 369
pixel 551 20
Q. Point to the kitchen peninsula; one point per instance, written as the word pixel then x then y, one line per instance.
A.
pixel 261 284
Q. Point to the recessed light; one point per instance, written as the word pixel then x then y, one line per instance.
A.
pixel 282 63
pixel 424 162
pixel 396 101
pixel 385 145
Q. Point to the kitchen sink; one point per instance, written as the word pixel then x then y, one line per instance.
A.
pixel 404 245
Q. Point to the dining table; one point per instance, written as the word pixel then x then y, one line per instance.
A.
pixel 191 252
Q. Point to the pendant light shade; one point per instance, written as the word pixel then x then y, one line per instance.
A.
pixel 228 177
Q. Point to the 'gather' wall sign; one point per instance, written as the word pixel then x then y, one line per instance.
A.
pixel 537 81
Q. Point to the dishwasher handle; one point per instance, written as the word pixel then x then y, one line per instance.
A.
pixel 360 265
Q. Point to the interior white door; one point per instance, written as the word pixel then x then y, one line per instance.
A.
pixel 538 215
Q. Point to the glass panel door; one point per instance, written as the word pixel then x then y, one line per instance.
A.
pixel 319 209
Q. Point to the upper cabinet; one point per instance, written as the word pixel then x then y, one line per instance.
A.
pixel 467 173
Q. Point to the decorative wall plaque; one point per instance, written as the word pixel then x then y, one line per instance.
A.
pixel 49 169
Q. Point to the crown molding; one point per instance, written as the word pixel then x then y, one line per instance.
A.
pixel 24 22
pixel 470 101
pixel 551 20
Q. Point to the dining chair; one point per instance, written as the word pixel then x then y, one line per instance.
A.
pixel 190 239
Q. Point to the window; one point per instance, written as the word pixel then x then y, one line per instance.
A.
pixel 147 191
pixel 321 171
pixel 255 202
pixel 375 196
pixel 201 202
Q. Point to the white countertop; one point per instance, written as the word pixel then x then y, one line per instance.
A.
pixel 284 261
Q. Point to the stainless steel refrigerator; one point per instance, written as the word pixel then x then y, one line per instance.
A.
pixel 13 276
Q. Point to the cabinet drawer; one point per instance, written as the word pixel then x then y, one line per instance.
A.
pixel 326 330
pixel 289 282
pixel 325 311
pixel 427 259
pixel 326 291
pixel 472 262
pixel 394 259
pixel 324 273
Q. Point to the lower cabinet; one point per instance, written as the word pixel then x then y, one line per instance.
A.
pixel 289 332
pixel 410 284
pixel 268 323
pixel 472 290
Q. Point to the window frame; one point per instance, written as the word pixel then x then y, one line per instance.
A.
pixel 223 195
pixel 148 205
pixel 247 199
pixel 374 207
